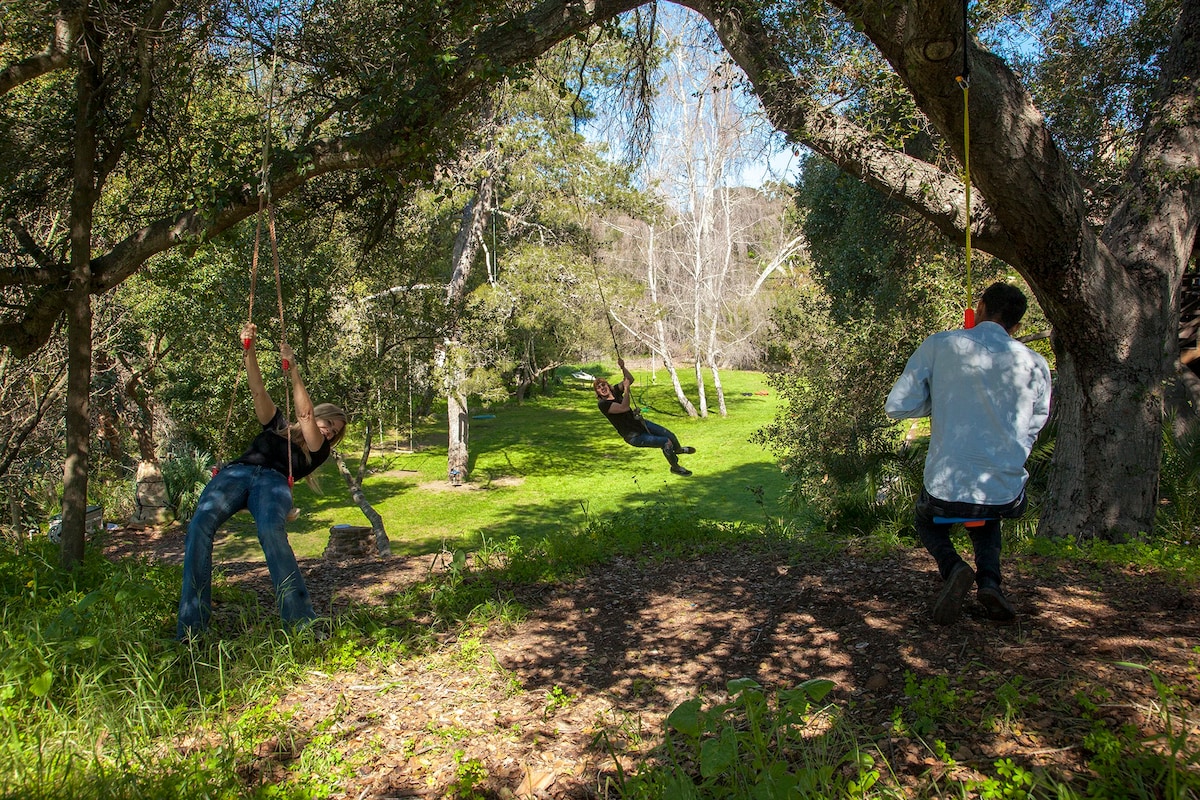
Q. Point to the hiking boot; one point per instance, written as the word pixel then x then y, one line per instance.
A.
pixel 996 604
pixel 681 471
pixel 948 605
pixel 687 450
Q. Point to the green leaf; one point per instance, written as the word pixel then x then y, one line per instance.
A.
pixel 817 688
pixel 738 685
pixel 686 717
pixel 716 755
pixel 41 685
pixel 88 600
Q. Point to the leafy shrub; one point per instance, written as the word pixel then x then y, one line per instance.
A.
pixel 185 476
pixel 783 744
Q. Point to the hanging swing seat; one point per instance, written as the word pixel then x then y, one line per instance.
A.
pixel 966 522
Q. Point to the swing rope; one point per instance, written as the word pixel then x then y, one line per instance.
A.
pixel 264 203
pixel 964 80
pixel 607 313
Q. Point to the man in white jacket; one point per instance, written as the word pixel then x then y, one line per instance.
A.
pixel 987 397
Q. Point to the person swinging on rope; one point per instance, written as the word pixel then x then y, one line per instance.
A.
pixel 987 397
pixel 615 402
pixel 259 481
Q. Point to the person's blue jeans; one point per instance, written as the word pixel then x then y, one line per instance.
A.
pixel 266 495
pixel 985 539
pixel 660 437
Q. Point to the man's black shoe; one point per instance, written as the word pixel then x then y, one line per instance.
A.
pixel 996 604
pixel 948 605
pixel 688 450
pixel 681 471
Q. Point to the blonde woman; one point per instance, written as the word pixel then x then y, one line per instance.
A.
pixel 258 482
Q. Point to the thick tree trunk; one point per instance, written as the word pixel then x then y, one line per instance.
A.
pixel 79 381
pixel 1107 450
pixel 79 308
pixel 458 448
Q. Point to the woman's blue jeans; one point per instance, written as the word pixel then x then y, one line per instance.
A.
pixel 660 437
pixel 266 495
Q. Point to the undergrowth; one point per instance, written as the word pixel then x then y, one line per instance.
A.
pixel 97 700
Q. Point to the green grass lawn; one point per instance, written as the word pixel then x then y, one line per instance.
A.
pixel 550 462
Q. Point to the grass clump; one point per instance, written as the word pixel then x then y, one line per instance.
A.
pixel 97 700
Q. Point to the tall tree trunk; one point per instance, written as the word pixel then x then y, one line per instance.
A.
pixel 701 226
pixel 458 454
pixel 466 246
pixel 79 306
pixel 716 298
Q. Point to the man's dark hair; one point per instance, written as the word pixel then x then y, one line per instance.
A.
pixel 1006 302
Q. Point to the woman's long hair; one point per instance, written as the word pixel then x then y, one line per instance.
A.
pixel 321 411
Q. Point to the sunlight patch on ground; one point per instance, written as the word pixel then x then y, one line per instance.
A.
pixel 446 486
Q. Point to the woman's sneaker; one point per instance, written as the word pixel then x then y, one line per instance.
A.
pixel 681 471
pixel 688 450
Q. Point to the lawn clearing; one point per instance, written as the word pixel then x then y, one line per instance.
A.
pixel 549 462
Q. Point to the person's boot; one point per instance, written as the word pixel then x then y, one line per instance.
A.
pixel 995 603
pixel 948 605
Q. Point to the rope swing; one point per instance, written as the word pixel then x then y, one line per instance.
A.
pixel 264 204
pixel 964 81
pixel 607 312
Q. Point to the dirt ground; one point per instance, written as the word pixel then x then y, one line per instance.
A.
pixel 607 657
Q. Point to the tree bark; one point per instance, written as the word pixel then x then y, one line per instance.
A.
pixel 466 246
pixel 79 307
pixel 66 28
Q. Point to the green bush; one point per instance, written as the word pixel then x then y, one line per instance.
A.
pixel 185 476
pixel 756 744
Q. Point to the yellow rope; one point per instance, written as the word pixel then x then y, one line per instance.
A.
pixel 965 84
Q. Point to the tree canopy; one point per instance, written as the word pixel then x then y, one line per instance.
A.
pixel 132 129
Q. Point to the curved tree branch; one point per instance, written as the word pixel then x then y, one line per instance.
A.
pixel 67 25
